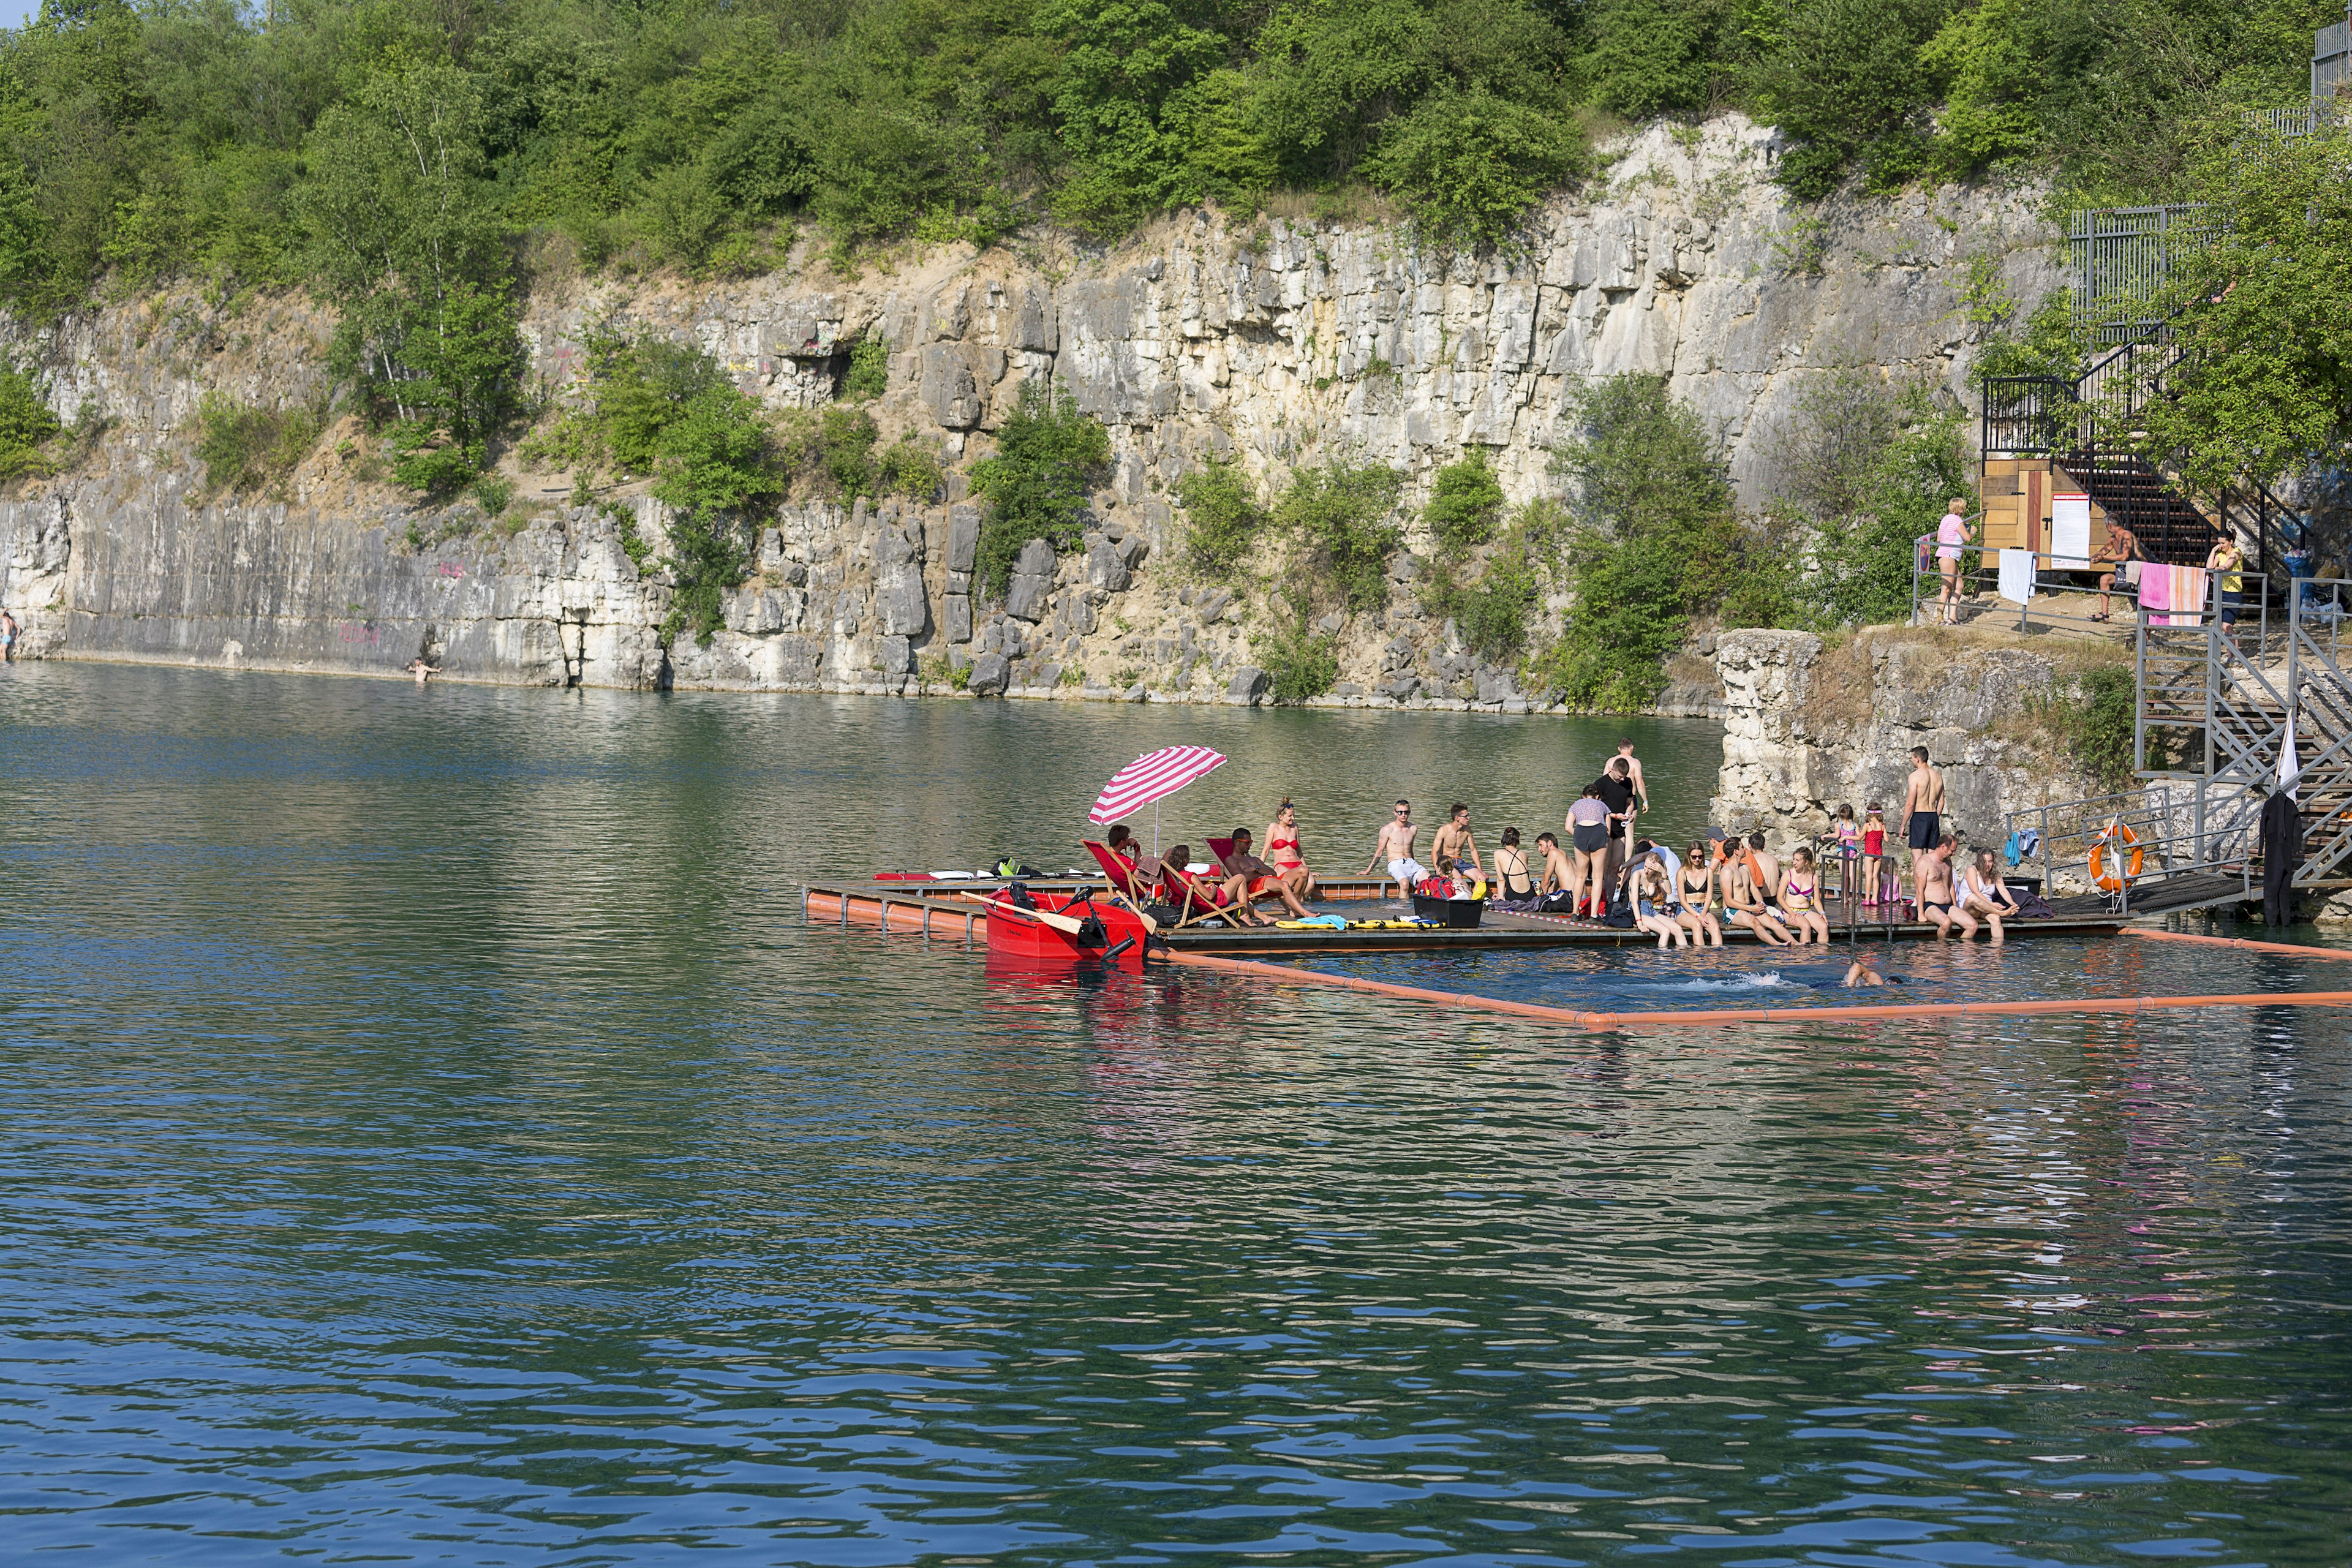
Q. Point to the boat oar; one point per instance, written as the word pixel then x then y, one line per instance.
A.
pixel 1150 926
pixel 1060 922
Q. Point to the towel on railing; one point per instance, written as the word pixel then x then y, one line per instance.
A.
pixel 2017 575
pixel 2184 593
pixel 2156 593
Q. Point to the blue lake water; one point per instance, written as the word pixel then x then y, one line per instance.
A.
pixel 431 1135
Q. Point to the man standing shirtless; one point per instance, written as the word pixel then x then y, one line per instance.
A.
pixel 1923 804
pixel 1395 847
pixel 1454 840
pixel 1633 772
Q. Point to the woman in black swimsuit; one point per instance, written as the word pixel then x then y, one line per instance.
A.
pixel 1514 883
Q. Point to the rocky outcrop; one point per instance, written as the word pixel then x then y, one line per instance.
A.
pixel 1805 733
pixel 1278 344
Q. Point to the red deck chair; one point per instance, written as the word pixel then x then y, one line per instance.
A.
pixel 1124 878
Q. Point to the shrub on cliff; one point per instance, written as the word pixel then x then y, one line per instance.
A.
pixel 1339 522
pixel 1494 613
pixel 1223 518
pixel 1048 457
pixel 1465 504
pixel 1299 662
pixel 244 448
pixel 1865 468
pixel 717 462
pixel 25 425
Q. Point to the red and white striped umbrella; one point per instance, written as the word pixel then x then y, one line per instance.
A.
pixel 1153 776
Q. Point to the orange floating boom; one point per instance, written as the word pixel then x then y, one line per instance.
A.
pixel 2127 1005
pixel 2286 947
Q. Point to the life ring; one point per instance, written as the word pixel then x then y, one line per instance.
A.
pixel 2109 878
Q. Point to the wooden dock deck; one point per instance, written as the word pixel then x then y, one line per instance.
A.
pixel 938 910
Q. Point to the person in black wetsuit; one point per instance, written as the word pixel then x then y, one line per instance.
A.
pixel 2281 843
pixel 1616 786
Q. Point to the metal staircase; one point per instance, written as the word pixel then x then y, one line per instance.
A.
pixel 2087 428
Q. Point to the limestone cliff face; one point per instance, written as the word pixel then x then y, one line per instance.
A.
pixel 1804 734
pixel 1281 343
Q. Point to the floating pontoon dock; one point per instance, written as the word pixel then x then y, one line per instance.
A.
pixel 942 910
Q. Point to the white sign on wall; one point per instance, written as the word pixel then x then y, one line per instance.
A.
pixel 2070 531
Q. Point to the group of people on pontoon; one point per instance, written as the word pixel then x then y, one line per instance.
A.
pixel 1236 880
pixel 1604 872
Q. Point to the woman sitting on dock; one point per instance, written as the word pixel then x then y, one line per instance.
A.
pixel 1800 899
pixel 1249 879
pixel 1695 887
pixel 1654 904
pixel 1282 851
pixel 1513 881
pixel 1982 892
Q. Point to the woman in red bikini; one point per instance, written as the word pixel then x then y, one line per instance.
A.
pixel 1282 852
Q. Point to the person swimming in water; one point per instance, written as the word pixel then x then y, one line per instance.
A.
pixel 1863 972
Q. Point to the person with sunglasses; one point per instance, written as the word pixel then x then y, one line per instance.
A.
pixel 1395 846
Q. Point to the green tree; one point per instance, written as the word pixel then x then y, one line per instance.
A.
pixel 26 426
pixel 1867 466
pixel 1342 534
pixel 2263 310
pixel 1845 80
pixel 406 239
pixel 1659 56
pixel 1658 539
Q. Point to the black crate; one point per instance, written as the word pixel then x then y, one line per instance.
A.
pixel 1456 914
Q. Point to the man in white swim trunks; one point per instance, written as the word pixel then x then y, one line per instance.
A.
pixel 1395 847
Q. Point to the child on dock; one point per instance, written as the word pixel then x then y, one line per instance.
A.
pixel 1874 854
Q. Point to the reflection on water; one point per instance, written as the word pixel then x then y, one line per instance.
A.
pixel 431 1134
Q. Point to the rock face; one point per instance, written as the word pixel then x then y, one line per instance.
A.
pixel 1803 735
pixel 1275 345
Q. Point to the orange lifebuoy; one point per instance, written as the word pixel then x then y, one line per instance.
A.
pixel 2110 878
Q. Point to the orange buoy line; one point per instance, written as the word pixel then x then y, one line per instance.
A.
pixel 2128 1005
pixel 2239 942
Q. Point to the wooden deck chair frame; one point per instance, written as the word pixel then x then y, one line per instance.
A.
pixel 1193 903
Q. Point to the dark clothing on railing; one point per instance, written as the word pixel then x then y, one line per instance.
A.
pixel 2282 844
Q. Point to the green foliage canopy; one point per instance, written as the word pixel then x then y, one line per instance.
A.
pixel 2264 313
